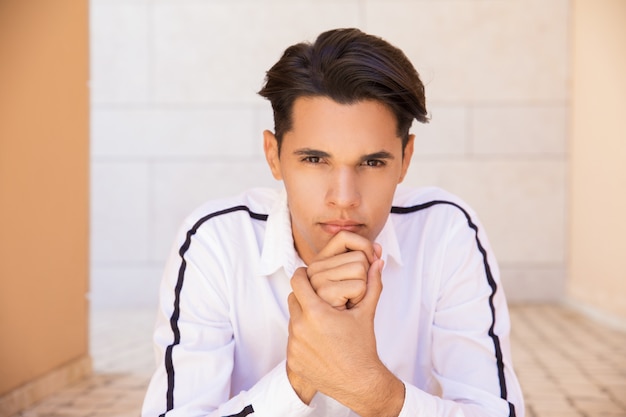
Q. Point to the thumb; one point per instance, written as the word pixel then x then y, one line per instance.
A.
pixel 374 285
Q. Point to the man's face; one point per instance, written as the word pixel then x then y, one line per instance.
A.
pixel 340 165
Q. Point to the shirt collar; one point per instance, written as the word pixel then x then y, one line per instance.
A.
pixel 389 241
pixel 279 249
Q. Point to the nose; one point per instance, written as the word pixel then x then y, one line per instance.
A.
pixel 343 190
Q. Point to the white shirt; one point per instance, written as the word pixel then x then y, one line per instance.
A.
pixel 442 324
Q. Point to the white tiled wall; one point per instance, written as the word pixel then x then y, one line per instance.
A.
pixel 176 119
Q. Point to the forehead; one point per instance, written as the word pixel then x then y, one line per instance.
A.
pixel 321 119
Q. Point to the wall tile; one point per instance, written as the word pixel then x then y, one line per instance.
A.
pixel 533 283
pixel 519 130
pixel 521 203
pixel 120 211
pixel 120 52
pixel 219 51
pixel 480 50
pixel 129 286
pixel 183 186
pixel 173 132
pixel 444 134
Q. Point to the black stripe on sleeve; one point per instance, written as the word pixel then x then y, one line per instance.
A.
pixel 169 365
pixel 490 280
pixel 244 412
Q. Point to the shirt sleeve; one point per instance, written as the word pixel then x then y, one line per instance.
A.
pixel 194 347
pixel 470 351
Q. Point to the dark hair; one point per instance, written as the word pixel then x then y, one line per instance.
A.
pixel 347 66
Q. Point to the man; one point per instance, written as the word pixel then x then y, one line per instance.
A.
pixel 273 302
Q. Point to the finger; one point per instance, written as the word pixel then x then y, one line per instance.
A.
pixel 338 286
pixel 378 250
pixel 344 294
pixel 374 286
pixel 302 290
pixel 355 268
pixel 333 262
pixel 295 310
pixel 340 280
pixel 345 241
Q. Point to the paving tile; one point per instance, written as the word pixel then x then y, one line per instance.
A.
pixel 548 408
pixel 599 407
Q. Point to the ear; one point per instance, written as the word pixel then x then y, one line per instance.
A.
pixel 270 146
pixel 406 159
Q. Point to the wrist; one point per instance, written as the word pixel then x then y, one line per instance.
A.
pixel 385 397
pixel 304 390
pixel 395 398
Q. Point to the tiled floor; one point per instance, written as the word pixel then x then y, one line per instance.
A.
pixel 568 366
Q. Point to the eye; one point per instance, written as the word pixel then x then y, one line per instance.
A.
pixel 374 163
pixel 312 159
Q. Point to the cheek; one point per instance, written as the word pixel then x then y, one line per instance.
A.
pixel 380 205
pixel 380 188
pixel 378 196
pixel 306 188
pixel 303 197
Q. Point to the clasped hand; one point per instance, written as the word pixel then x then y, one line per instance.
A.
pixel 339 273
pixel 332 345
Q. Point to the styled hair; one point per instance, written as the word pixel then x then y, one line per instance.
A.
pixel 347 66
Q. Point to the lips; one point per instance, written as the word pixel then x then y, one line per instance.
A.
pixel 336 226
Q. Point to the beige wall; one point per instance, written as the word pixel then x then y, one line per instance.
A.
pixel 597 258
pixel 44 156
pixel 176 121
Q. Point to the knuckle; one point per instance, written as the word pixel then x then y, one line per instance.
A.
pixel 331 297
pixel 358 270
pixel 318 282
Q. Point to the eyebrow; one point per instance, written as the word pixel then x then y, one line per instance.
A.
pixel 322 154
pixel 311 152
pixel 378 155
